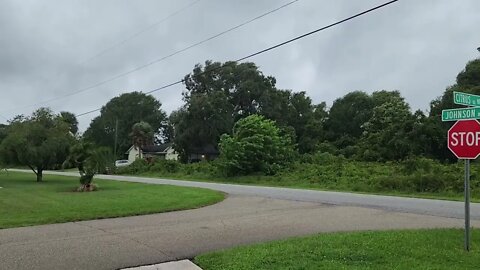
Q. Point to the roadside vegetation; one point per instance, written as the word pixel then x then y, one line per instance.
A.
pixel 418 249
pixel 23 202
pixel 418 177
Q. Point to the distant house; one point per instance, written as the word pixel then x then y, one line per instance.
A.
pixel 163 151
pixel 206 152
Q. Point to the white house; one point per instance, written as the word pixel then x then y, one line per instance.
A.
pixel 163 151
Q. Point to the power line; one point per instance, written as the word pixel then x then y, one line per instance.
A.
pixel 162 58
pixel 118 44
pixel 141 31
pixel 269 48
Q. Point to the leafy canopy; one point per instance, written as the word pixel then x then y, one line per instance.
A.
pixel 128 109
pixel 256 145
pixel 40 141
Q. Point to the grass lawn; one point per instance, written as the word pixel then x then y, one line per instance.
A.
pixel 419 249
pixel 24 202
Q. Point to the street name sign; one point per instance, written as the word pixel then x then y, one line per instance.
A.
pixel 461 114
pixel 466 99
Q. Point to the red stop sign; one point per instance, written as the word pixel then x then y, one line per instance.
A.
pixel 464 139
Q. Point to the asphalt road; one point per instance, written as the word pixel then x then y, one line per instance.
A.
pixel 248 215
pixel 440 208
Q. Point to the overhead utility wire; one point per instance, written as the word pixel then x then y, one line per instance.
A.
pixel 267 49
pixel 160 59
pixel 118 44
pixel 141 31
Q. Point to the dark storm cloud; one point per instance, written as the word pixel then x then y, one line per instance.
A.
pixel 417 47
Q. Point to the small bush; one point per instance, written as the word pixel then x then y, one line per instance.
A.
pixel 137 167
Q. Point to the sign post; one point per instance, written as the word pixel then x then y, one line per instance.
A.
pixel 467 204
pixel 464 142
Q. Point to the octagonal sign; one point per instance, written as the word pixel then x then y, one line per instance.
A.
pixel 464 139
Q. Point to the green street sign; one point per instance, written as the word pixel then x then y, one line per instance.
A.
pixel 466 99
pixel 461 114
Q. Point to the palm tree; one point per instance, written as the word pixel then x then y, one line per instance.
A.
pixel 142 134
pixel 89 160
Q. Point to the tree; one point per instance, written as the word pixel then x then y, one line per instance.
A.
pixel 89 160
pixel 201 122
pixel 468 80
pixel 127 109
pixel 40 141
pixel 142 134
pixel 255 146
pixel 387 133
pixel 3 132
pixel 347 117
pixel 71 120
pixel 219 94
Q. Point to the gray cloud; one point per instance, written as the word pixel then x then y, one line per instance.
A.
pixel 417 47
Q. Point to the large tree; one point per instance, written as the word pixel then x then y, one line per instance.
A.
pixel 386 134
pixel 217 95
pixel 123 112
pixel 347 117
pixel 40 141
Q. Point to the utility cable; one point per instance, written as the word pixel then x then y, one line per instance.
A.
pixel 268 49
pixel 159 59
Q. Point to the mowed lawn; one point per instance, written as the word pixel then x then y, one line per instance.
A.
pixel 24 202
pixel 419 249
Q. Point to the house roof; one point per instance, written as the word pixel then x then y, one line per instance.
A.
pixel 156 148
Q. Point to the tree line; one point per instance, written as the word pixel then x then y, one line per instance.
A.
pixel 220 99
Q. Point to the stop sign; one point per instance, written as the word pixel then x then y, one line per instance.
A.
pixel 464 139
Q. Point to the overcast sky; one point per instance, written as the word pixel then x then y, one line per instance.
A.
pixel 46 48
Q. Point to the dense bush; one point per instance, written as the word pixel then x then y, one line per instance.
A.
pixel 137 167
pixel 256 146
pixel 165 166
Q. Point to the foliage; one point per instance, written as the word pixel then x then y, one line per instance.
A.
pixel 138 166
pixel 40 142
pixel 217 95
pixel 415 176
pixel 414 249
pixel 347 117
pixel 255 146
pixel 142 134
pixel 128 109
pixel 89 160
pixel 71 120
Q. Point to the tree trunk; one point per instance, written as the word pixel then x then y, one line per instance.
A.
pixel 39 175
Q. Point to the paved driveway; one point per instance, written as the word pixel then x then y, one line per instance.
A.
pixel 248 215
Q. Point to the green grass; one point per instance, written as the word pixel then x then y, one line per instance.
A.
pixel 419 249
pixel 24 202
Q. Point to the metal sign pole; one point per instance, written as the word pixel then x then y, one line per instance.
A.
pixel 467 205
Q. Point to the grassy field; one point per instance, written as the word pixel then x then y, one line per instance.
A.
pixel 420 249
pixel 23 202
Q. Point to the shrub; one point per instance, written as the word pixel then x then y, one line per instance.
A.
pixel 256 145
pixel 137 167
pixel 165 166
